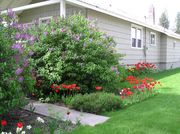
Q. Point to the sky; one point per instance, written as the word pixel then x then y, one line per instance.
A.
pixel 140 8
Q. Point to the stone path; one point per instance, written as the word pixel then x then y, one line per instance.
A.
pixel 60 112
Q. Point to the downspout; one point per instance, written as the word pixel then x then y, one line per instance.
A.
pixel 145 45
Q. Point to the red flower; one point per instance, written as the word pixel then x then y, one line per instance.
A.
pixel 68 87
pixel 56 90
pixel 73 85
pixel 78 88
pixel 142 90
pixel 159 82
pixel 135 87
pixel 58 87
pixel 98 88
pixel 52 86
pixel 128 93
pixel 3 122
pixel 19 124
pixel 64 86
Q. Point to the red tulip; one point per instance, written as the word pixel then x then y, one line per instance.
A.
pixel 3 122
pixel 19 124
pixel 78 88
pixel 98 88
pixel 56 90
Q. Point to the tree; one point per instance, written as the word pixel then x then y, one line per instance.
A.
pixel 178 23
pixel 163 20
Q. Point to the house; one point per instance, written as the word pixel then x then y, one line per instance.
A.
pixel 139 41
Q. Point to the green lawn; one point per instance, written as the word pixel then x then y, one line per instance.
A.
pixel 157 115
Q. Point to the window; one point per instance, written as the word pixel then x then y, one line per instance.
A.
pixel 136 37
pixel 153 39
pixel 45 19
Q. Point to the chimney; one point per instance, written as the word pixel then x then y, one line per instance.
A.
pixel 152 15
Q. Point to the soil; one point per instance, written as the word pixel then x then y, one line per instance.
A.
pixel 30 118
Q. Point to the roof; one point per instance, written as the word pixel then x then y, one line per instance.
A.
pixel 16 3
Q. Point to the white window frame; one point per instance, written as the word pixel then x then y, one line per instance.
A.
pixel 45 18
pixel 141 28
pixel 153 33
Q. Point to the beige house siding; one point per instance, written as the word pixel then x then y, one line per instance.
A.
pixel 166 52
pixel 46 11
pixel 173 53
pixel 121 31
pixel 153 51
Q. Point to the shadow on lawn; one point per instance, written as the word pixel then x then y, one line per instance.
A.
pixel 166 73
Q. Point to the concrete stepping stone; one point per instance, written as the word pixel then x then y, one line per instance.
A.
pixel 60 112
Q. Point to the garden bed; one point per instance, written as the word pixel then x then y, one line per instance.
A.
pixel 33 120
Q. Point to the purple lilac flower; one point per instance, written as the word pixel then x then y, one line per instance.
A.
pixel 18 47
pixel 10 13
pixel 14 25
pixel 31 53
pixel 52 31
pixel 26 62
pixel 32 38
pixel 19 71
pixel 20 26
pixel 17 58
pixel 21 79
pixel 76 37
pixel 18 36
pixel 25 36
pixel 62 30
pixel 46 33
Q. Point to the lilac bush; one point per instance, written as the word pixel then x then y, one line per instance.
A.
pixel 15 71
pixel 71 50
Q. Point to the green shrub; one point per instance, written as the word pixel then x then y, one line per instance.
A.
pixel 14 65
pixel 71 50
pixel 96 102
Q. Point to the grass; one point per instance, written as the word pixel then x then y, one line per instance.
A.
pixel 157 115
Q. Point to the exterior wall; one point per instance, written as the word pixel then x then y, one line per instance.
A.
pixel 46 11
pixel 163 52
pixel 173 53
pixel 153 51
pixel 121 31
pixel 166 52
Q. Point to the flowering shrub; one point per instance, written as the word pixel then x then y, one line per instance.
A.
pixel 14 62
pixel 71 50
